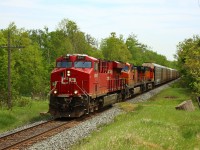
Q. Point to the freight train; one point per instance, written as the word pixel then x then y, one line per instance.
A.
pixel 81 84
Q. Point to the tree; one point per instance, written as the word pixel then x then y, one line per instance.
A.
pixel 188 56
pixel 136 49
pixel 141 53
pixel 77 38
pixel 42 39
pixel 11 30
pixel 27 65
pixel 114 48
pixel 59 44
pixel 3 68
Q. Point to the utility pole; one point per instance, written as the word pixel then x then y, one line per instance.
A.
pixel 9 100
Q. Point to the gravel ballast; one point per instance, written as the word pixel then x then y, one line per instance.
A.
pixel 22 128
pixel 70 136
pixel 65 139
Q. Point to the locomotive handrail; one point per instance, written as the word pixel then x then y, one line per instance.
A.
pixel 53 87
pixel 86 94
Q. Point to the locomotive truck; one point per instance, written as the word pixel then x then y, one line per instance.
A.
pixel 82 84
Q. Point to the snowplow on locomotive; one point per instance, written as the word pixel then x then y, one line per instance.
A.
pixel 81 84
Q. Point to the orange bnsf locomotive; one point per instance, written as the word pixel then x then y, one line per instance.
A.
pixel 81 84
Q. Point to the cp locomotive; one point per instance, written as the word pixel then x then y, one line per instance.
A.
pixel 81 84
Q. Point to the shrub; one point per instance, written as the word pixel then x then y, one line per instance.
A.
pixel 23 101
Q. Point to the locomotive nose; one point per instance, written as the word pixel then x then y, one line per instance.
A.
pixel 69 83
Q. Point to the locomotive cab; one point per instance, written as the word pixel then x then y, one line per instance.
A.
pixel 128 73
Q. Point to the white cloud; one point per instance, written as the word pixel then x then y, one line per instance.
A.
pixel 19 3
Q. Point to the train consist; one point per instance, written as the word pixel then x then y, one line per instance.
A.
pixel 81 84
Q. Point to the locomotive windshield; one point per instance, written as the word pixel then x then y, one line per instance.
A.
pixel 82 64
pixel 64 64
pixel 126 68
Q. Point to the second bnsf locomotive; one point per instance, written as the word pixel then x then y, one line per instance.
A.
pixel 81 84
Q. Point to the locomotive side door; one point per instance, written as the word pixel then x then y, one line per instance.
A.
pixel 96 78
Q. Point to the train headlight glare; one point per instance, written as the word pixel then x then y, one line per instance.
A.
pixel 75 92
pixel 68 72
pixel 55 92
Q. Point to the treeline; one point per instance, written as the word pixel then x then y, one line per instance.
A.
pixel 31 65
pixel 188 56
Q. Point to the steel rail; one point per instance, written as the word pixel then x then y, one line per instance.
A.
pixel 12 140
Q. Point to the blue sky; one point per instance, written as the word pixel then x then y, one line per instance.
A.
pixel 160 24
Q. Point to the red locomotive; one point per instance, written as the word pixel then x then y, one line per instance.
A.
pixel 81 84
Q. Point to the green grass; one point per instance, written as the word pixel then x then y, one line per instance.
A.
pixel 151 125
pixel 18 116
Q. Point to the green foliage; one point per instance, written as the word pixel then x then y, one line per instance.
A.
pixel 96 53
pixel 141 53
pixel 77 38
pixel 179 84
pixel 23 101
pixel 158 125
pixel 28 74
pixel 7 119
pixel 19 116
pixel 114 48
pixel 188 56
pixel 135 49
pixel 3 73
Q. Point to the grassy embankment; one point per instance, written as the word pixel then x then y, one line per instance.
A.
pixel 25 111
pixel 150 125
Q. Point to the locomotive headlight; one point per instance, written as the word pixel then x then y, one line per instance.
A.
pixel 75 92
pixel 55 92
pixel 68 73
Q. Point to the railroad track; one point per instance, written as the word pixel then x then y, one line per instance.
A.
pixel 29 136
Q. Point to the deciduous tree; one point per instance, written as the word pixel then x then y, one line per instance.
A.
pixel 114 48
pixel 188 55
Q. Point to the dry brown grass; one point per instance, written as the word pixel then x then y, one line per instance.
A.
pixel 128 107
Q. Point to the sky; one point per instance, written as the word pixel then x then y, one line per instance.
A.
pixel 160 24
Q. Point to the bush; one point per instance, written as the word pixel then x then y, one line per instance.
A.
pixel 181 83
pixel 23 101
